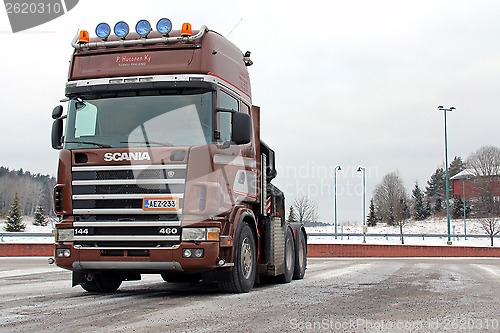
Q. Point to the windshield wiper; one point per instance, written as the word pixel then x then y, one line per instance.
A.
pixel 102 145
pixel 168 144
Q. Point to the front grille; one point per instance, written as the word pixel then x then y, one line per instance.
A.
pixel 129 189
pixel 108 205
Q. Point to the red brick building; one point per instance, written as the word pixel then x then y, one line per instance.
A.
pixel 467 181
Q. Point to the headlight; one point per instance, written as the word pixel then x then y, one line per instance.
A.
pixel 200 234
pixel 192 234
pixel 65 235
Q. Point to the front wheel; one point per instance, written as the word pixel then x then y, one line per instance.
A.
pixel 103 282
pixel 242 276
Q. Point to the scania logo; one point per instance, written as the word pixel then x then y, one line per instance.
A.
pixel 136 156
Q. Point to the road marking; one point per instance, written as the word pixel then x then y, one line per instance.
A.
pixel 488 269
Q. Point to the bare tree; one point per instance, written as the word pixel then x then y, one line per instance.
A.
pixel 485 165
pixel 387 197
pixel 305 210
pixel 403 216
pixel 485 161
pixel 491 226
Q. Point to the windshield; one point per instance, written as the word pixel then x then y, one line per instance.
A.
pixel 137 121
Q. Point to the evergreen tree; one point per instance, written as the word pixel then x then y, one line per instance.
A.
pixel 438 205
pixel 428 208
pixel 418 203
pixel 458 208
pixel 372 215
pixel 14 220
pixel 456 166
pixel 291 215
pixel 436 185
pixel 40 217
pixel 436 189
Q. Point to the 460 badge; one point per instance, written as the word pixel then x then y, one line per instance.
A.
pixel 169 204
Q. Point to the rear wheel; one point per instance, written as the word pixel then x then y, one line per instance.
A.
pixel 103 282
pixel 289 258
pixel 242 276
pixel 300 256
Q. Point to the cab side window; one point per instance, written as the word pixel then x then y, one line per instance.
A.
pixel 226 101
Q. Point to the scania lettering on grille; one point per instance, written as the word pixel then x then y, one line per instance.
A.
pixel 171 204
pixel 131 156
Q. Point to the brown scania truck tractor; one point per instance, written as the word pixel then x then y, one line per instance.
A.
pixel 161 166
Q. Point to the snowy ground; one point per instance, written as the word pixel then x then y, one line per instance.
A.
pixel 17 237
pixel 420 228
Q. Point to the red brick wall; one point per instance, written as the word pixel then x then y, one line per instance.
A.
pixel 359 250
pixel 313 250
pixel 26 250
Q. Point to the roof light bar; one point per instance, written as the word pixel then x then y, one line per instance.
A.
pixel 143 28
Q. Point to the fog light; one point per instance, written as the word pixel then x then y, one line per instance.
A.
pixel 198 253
pixel 186 253
pixel 63 253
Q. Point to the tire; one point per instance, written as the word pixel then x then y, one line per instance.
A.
pixel 289 258
pixel 103 283
pixel 300 256
pixel 242 276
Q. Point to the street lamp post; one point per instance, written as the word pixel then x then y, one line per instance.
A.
pixel 335 197
pixel 441 108
pixel 361 169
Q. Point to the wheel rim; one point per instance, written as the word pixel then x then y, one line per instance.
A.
pixel 289 254
pixel 301 252
pixel 246 258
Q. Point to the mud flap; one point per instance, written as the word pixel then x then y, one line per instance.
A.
pixel 78 278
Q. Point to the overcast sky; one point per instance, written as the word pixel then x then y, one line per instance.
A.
pixel 354 83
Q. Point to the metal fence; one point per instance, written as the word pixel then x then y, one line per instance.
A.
pixel 387 236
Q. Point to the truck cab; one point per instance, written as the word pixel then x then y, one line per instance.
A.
pixel 161 166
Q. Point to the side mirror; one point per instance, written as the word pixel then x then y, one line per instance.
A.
pixel 241 130
pixel 57 133
pixel 57 112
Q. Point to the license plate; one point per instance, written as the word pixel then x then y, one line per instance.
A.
pixel 170 204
